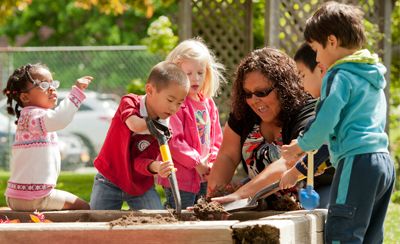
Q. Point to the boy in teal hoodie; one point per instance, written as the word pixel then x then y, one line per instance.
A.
pixel 351 116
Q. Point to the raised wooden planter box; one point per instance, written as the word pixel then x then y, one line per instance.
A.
pixel 93 227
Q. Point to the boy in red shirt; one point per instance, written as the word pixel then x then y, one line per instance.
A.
pixel 127 161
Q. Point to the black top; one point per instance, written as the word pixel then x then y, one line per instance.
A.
pixel 257 153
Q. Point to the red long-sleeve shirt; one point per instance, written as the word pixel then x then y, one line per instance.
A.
pixel 125 156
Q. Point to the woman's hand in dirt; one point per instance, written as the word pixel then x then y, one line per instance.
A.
pixel 228 198
pixel 83 82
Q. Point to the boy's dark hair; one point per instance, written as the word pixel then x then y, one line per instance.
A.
pixel 17 83
pixel 165 73
pixel 306 55
pixel 343 21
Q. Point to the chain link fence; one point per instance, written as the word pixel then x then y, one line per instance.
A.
pixel 113 67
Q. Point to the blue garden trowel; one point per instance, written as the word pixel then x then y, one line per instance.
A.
pixel 162 134
pixel 309 198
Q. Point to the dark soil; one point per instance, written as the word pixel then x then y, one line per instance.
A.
pixel 285 200
pixel 204 209
pixel 281 201
pixel 131 219
pixel 256 235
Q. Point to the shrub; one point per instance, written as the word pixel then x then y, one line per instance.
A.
pixel 161 39
pixel 396 197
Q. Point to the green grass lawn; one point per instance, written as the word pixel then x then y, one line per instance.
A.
pixel 78 184
pixel 392 230
pixel 81 185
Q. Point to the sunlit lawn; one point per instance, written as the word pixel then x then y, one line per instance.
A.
pixel 81 185
pixel 392 222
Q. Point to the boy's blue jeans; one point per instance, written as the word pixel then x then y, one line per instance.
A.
pixel 107 196
pixel 359 199
pixel 187 198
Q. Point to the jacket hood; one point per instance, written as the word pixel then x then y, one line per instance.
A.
pixel 364 64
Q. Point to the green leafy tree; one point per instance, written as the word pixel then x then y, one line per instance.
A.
pixel 395 69
pixel 65 22
pixel 161 38
pixel 136 86
pixel 258 23
pixel 115 7
pixel 395 89
pixel 373 35
pixel 118 7
pixel 7 7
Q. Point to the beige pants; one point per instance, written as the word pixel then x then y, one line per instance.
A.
pixel 54 201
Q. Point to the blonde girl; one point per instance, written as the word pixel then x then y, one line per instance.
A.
pixel 196 127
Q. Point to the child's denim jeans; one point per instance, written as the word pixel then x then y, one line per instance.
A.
pixel 107 196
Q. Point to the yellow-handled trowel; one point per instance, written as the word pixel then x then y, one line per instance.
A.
pixel 162 134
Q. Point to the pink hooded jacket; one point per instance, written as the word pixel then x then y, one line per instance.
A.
pixel 185 144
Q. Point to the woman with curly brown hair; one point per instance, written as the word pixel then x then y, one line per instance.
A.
pixel 269 109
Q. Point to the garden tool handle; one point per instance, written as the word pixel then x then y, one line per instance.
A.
pixel 310 168
pixel 173 182
pixel 161 132
pixel 165 153
pixel 308 197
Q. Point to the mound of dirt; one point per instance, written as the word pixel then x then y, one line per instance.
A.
pixel 131 219
pixel 204 209
pixel 285 200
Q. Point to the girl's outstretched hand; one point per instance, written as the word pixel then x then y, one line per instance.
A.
pixel 83 82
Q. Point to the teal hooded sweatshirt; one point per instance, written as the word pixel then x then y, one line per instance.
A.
pixel 351 114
